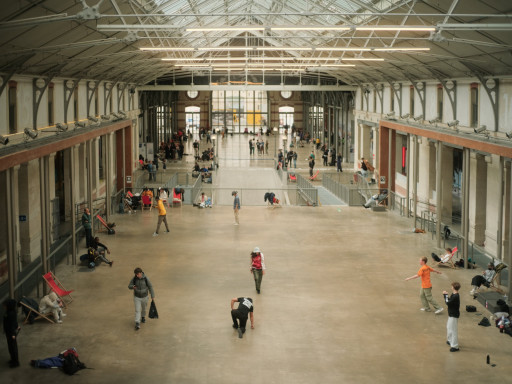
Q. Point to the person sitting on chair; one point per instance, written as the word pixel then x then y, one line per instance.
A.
pixel 99 250
pixel 444 258
pixel 376 199
pixel 51 303
pixel 485 278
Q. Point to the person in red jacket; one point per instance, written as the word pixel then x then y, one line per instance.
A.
pixel 257 267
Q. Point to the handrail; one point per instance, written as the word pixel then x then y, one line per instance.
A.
pixel 307 190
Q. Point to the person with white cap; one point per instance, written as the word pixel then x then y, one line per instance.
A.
pixel 257 267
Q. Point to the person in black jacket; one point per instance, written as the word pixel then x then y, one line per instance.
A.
pixel 453 303
pixel 142 288
pixel 11 330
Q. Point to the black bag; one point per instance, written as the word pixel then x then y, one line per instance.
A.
pixel 470 308
pixel 153 313
pixel 485 322
pixel 71 363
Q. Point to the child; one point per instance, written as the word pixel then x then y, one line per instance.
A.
pixel 453 303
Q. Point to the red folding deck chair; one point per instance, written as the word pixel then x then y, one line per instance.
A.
pixel 448 262
pixel 176 197
pixel 56 286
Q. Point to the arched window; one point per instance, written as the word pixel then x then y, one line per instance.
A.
pixel 192 119
pixel 285 119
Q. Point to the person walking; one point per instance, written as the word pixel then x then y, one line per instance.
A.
pixel 257 267
pixel 311 165
pixel 453 303
pixel 295 159
pixel 239 315
pixel 142 287
pixel 11 329
pixel 86 222
pixel 162 216
pixel 236 207
pixel 426 286
pixel 338 164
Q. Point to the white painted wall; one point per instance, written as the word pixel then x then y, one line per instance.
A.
pixel 505 106
pixel 430 101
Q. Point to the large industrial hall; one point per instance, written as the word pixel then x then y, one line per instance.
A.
pixel 266 191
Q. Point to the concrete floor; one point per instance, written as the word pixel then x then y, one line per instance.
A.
pixel 334 306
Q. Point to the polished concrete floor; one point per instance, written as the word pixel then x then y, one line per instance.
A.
pixel 334 306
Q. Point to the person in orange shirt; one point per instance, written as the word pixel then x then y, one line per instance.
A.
pixel 426 286
pixel 161 216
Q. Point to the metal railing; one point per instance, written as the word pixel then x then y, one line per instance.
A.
pixel 397 203
pixel 345 192
pixel 252 196
pixel 307 190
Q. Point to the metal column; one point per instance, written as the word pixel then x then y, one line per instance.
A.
pixel 465 205
pixel 408 171
pixel 124 163
pixel 509 256
pixel 88 161
pixel 43 184
pixel 499 234
pixel 11 242
pixel 107 168
pixel 390 136
pixel 72 191
pixel 415 178
pixel 439 149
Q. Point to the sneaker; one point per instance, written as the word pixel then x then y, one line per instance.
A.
pixel 448 342
pixel 59 321
pixel 143 320
pixel 235 223
pixel 240 333
pixel 62 314
pixel 258 291
pixel 167 231
pixel 425 309
pixel 137 326
pixel 111 263
pixel 155 234
pixel 439 311
pixel 454 349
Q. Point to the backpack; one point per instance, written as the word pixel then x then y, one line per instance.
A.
pixel 71 363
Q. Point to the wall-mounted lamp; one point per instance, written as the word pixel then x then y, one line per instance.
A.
pixel 4 140
pixel 480 129
pixel 61 127
pixel 419 117
pixel 453 123
pixel 32 133
pixel 406 116
pixel 434 121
